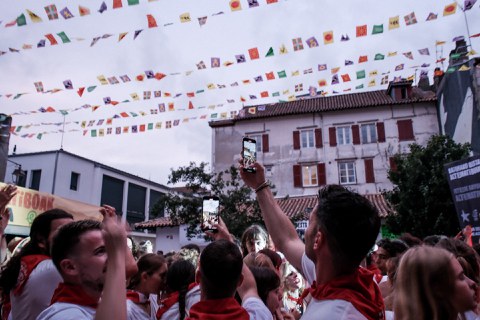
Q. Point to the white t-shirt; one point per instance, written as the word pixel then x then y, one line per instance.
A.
pixel 37 292
pixel 135 312
pixel 192 297
pixel 256 309
pixel 67 311
pixel 326 309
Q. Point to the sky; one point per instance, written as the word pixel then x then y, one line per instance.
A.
pixel 174 48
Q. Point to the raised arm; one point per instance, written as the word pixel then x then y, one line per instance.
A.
pixel 279 226
pixel 113 304
pixel 6 194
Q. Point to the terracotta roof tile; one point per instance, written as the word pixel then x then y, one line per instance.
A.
pixel 324 104
pixel 292 206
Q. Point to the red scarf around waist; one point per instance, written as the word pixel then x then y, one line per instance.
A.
pixel 72 293
pixel 220 309
pixel 169 301
pixel 27 265
pixel 358 288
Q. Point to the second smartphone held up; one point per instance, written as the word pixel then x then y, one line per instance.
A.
pixel 249 154
pixel 210 213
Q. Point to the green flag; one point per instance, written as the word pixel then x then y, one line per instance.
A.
pixel 21 20
pixel 200 91
pixel 64 37
pixel 276 94
pixel 39 136
pixel 90 89
pixel 359 86
pixel 270 52
pixel 132 2
pixel 451 69
pixel 379 56
pixel 282 74
pixel 63 112
pixel 361 74
pixel 452 56
pixel 94 133
pixel 150 126
pixel 378 28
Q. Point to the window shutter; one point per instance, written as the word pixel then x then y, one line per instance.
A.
pixel 296 140
pixel 332 134
pixel 369 173
pixel 322 177
pixel 405 130
pixel 393 164
pixel 318 138
pixel 355 134
pixel 380 132
pixel 265 146
pixel 297 176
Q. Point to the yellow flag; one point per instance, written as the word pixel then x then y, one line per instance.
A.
pixel 373 73
pixel 34 17
pixel 158 125
pixel 328 37
pixel 439 43
pixel 223 115
pixel 392 54
pixel 411 78
pixel 464 68
pixel 393 23
pixel 335 70
pixel 185 17
pixel 472 52
pixel 235 5
pixel 292 98
pixel 134 96
pixel 102 79
pixel 283 49
pixel 450 9
pixel 372 83
pixel 286 91
pixel 295 73
pixel 210 86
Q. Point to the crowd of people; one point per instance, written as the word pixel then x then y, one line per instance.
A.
pixel 88 269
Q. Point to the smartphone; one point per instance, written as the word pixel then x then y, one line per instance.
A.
pixel 210 213
pixel 249 154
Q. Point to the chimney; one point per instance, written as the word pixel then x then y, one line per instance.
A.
pixel 459 54
pixel 400 90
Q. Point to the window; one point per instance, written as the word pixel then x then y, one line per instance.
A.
pixel 369 133
pixel 309 176
pixel 136 203
pixel 112 192
pixel 74 181
pixel 258 139
pixel 405 130
pixel 307 139
pixel 35 182
pixel 346 171
pixel 344 135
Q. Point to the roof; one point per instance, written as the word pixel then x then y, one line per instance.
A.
pixel 292 206
pixel 351 101
pixel 97 164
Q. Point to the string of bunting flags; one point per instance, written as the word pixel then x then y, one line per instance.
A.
pixel 235 5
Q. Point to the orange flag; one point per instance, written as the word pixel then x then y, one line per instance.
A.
pixel 152 23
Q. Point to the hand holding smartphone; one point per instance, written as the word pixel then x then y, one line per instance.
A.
pixel 249 154
pixel 210 213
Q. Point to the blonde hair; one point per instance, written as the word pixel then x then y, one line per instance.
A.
pixel 424 285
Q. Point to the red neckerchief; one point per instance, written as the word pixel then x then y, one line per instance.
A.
pixel 137 297
pixel 6 306
pixel 73 293
pixel 219 309
pixel 377 274
pixel 358 288
pixel 27 264
pixel 169 301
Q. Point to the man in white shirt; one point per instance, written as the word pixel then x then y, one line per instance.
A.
pixel 90 256
pixel 342 228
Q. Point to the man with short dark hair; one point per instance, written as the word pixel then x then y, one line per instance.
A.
pixel 342 228
pixel 387 249
pixel 90 256
pixel 221 273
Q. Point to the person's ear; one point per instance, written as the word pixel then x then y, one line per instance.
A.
pixel 144 276
pixel 68 267
pixel 319 240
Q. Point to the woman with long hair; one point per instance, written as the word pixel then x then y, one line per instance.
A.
pixel 431 285
pixel 254 239
pixel 144 287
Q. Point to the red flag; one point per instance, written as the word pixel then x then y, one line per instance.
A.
pixel 159 76
pixel 475 35
pixel 140 77
pixel 270 75
pixel 12 23
pixel 191 94
pixel 51 38
pixel 190 105
pixel 362 59
pixel 50 109
pixel 80 91
pixel 264 94
pixel 361 31
pixel 142 128
pixel 345 77
pixel 152 23
pixel 117 4
pixel 114 103
pixel 124 114
pixel 242 99
pixel 253 52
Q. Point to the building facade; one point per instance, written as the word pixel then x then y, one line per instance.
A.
pixel 344 139
pixel 73 177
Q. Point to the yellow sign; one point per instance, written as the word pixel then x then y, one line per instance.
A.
pixel 27 204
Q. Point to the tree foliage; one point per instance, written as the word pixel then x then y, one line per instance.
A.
pixel 237 207
pixel 421 196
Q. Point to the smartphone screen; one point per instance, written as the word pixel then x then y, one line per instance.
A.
pixel 249 154
pixel 210 213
